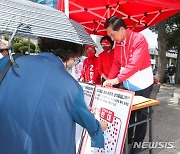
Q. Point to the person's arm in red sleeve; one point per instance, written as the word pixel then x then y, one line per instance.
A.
pixel 82 77
pixel 100 67
pixel 116 65
pixel 135 62
pixel 96 77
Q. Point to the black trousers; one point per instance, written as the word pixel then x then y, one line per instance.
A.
pixel 137 133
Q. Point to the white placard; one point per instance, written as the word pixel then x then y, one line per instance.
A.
pixel 114 107
pixel 88 94
pixel 88 91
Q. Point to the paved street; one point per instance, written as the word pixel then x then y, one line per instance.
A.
pixel 166 121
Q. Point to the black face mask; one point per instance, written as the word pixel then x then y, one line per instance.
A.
pixel 106 48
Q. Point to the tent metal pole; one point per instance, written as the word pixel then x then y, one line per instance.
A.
pixel 29 45
pixel 66 6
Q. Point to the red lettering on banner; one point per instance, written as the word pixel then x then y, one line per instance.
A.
pixel 107 115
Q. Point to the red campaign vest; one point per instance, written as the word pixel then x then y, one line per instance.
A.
pixel 105 61
pixel 90 70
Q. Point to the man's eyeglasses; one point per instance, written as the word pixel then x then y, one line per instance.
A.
pixel 105 44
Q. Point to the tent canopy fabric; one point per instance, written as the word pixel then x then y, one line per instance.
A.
pixel 31 19
pixel 137 14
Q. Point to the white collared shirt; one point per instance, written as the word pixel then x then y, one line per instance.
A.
pixel 123 43
pixel 1 56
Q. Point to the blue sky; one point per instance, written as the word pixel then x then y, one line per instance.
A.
pixel 150 37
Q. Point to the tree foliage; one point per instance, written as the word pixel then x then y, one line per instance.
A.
pixel 173 32
pixel 172 41
pixel 21 45
pixel 172 26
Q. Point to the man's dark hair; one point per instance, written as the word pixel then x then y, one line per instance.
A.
pixel 115 22
pixel 107 38
pixel 65 50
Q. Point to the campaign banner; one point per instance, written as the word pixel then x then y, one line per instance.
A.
pixel 88 94
pixel 113 106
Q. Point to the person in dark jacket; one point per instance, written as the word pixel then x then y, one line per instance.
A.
pixel 172 73
pixel 40 103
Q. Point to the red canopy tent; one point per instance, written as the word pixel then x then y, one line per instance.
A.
pixel 138 14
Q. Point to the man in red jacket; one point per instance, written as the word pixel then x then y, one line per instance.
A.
pixel 132 67
pixel 90 72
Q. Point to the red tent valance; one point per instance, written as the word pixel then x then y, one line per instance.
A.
pixel 137 14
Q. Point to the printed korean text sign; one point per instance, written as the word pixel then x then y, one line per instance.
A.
pixel 88 91
pixel 88 94
pixel 114 107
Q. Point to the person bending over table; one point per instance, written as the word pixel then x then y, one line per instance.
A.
pixel 132 67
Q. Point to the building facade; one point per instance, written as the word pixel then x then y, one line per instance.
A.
pixel 170 56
